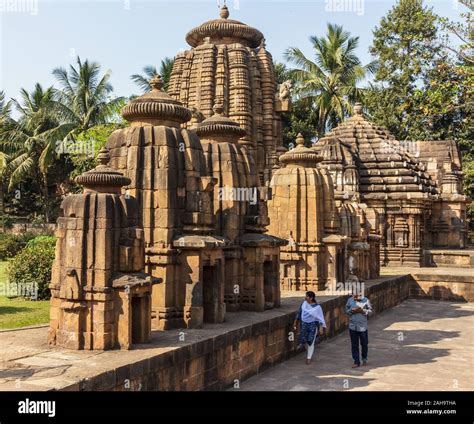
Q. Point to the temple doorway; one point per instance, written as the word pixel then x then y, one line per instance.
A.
pixel 270 283
pixel 138 308
pixel 210 293
pixel 340 265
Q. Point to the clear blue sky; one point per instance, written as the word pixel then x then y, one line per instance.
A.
pixel 124 36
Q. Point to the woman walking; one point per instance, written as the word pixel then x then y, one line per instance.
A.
pixel 311 317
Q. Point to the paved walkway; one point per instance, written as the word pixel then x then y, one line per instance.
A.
pixel 433 271
pixel 417 345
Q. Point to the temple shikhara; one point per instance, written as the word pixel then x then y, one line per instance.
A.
pixel 415 188
pixel 198 209
pixel 228 64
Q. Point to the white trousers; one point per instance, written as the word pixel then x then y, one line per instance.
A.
pixel 310 349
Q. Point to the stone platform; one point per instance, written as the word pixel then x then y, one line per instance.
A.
pixel 438 283
pixel 212 358
pixel 422 345
pixel 456 258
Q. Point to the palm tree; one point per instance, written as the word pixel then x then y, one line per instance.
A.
pixel 5 124
pixel 85 98
pixel 330 82
pixel 28 145
pixel 149 71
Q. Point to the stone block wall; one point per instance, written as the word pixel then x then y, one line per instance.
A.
pixel 442 287
pixel 449 258
pixel 220 362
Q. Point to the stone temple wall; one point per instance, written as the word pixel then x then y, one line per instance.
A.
pixel 100 296
pixel 333 237
pixel 209 251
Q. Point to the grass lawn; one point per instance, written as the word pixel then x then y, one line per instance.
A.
pixel 19 312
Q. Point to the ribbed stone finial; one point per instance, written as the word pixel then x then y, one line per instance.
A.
pixel 358 109
pixel 102 178
pixel 218 109
pixel 301 154
pixel 157 83
pixel 224 12
pixel 219 124
pixel 300 140
pixel 224 31
pixel 103 156
pixel 156 105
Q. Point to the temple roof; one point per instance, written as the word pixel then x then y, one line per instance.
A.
pixel 335 151
pixel 218 124
pixel 102 175
pixel 156 105
pixel 440 157
pixel 386 166
pixel 301 154
pixel 224 30
pixel 439 150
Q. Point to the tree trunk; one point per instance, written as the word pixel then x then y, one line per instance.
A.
pixel 2 207
pixel 46 197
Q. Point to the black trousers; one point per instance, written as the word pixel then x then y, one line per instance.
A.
pixel 361 337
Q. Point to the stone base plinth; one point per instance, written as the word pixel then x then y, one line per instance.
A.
pixel 439 283
pixel 213 358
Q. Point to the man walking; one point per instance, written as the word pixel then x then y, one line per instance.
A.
pixel 358 308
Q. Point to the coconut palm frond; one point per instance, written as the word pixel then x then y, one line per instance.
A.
pixel 330 80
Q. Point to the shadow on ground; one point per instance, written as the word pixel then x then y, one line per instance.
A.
pixel 401 356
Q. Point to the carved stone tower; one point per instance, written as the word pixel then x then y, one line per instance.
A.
pixel 100 297
pixel 229 65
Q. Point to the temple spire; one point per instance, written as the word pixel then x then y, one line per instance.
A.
pixel 157 83
pixel 103 156
pixel 358 109
pixel 300 140
pixel 224 12
pixel 218 108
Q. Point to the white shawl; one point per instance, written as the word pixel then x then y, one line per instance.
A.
pixel 312 313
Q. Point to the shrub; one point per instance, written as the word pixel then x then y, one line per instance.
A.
pixel 30 270
pixel 41 241
pixel 12 244
pixel 6 221
pixel 38 220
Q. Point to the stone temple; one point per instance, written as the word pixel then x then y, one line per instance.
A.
pixel 332 237
pixel 228 64
pixel 414 187
pixel 197 208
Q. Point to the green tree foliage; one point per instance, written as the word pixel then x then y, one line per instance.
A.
pixel 12 244
pixel 149 71
pixel 463 104
pixel 408 55
pixel 30 270
pixel 5 124
pixel 38 148
pixel 87 145
pixel 301 117
pixel 28 144
pixel 405 47
pixel 424 83
pixel 85 98
pixel 329 83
